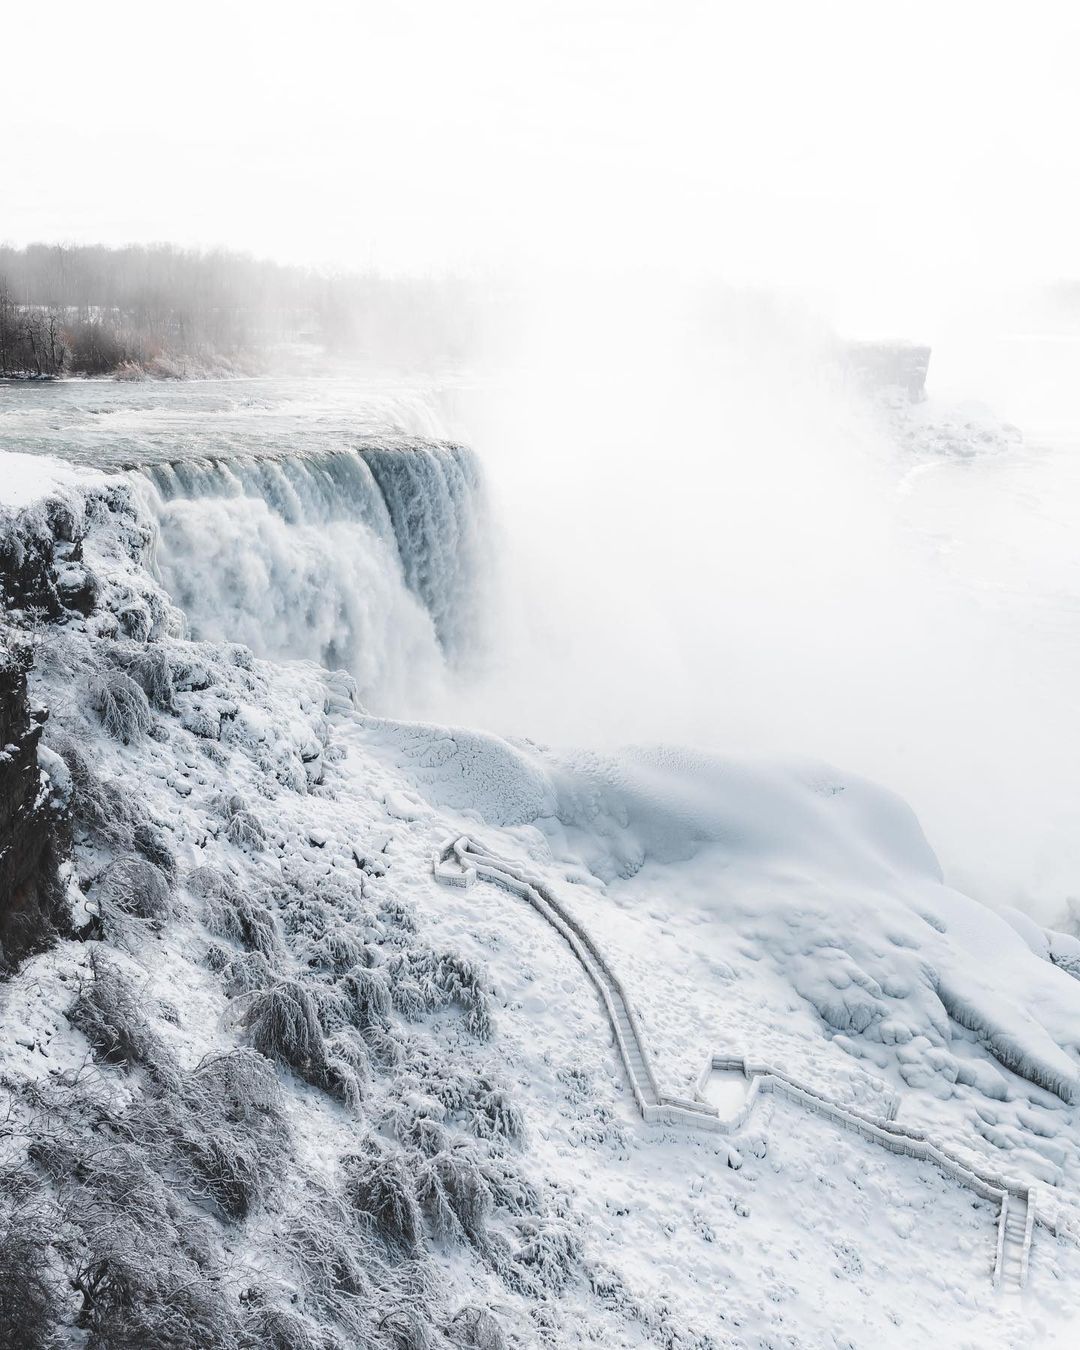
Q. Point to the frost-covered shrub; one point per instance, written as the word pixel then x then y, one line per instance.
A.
pixel 343 892
pixel 279 1329
pixel 348 1046
pixel 409 998
pixel 397 915
pixel 461 981
pixel 208 882
pixel 379 1189
pixel 404 1330
pixel 215 754
pixel 245 830
pixel 27 561
pixel 151 670
pixel 496 1116
pixel 229 1171
pixel 338 951
pixel 450 1086
pixel 137 1303
pixel 284 1026
pixel 317 904
pixel 510 1189
pixel 454 1196
pixel 135 620
pixel 387 1047
pixel 244 1084
pixel 418 1129
pixel 305 917
pixel 30 1305
pixel 414 970
pixel 348 1067
pixel 241 974
pixel 444 977
pixel 231 914
pixel 100 808
pixel 324 1243
pixel 189 673
pixel 340 1081
pixel 484 1105
pixel 136 888
pixel 547 1256
pixel 224 1125
pixel 351 1273
pixel 477 1329
pixel 366 996
pixel 151 843
pixel 121 705
pixel 204 722
pixel 143 1269
pixel 109 1014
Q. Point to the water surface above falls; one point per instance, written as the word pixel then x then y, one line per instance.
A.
pixel 112 424
pixel 321 519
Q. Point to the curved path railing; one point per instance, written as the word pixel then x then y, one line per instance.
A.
pixel 460 862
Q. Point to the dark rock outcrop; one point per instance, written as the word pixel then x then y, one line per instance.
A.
pixel 28 555
pixel 33 906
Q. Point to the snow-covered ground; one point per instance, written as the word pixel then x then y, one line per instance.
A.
pixel 30 478
pixel 787 910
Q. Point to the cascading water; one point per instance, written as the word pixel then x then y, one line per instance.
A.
pixel 431 495
pixel 368 558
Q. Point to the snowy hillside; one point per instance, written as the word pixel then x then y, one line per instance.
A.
pixel 275 1086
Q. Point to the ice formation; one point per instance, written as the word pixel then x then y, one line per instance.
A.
pixel 277 1088
pixel 370 559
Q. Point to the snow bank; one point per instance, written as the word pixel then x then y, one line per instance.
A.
pixel 25 479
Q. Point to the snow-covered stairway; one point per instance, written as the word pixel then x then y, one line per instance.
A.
pixel 460 862
pixel 1014 1241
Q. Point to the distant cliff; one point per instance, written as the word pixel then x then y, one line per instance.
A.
pixel 889 365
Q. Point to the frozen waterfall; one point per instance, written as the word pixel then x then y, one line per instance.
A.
pixel 371 559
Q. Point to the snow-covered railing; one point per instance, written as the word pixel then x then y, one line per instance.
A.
pixel 999 1259
pixel 1030 1220
pixel 643 1085
pixel 458 864
pixel 460 857
pixel 750 1071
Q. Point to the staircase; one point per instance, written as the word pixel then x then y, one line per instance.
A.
pixel 461 861
pixel 1014 1242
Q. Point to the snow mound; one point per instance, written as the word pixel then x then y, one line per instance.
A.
pixel 831 876
pixel 25 479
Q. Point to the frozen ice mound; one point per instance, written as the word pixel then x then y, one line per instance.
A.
pixel 827 874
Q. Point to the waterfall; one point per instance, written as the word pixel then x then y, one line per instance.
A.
pixel 370 558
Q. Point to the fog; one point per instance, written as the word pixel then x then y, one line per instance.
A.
pixel 711 537
pixel 867 152
pixel 707 536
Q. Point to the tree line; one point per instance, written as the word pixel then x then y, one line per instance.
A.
pixel 92 310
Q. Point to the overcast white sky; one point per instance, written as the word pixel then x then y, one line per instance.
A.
pixel 866 144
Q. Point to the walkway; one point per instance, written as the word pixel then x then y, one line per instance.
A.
pixel 460 862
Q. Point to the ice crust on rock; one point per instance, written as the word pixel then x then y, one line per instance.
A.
pixel 226 1037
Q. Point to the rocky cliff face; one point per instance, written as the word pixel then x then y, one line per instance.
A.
pixel 32 908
